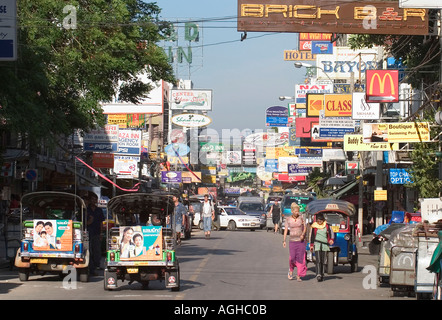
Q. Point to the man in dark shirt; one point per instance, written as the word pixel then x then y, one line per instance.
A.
pixel 275 213
pixel 95 218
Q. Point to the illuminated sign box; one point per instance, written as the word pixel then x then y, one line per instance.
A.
pixel 352 17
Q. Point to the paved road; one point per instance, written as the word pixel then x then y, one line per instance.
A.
pixel 238 265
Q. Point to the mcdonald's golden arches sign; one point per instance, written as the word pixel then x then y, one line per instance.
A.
pixel 382 86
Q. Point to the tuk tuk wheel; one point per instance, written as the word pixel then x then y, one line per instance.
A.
pixel 330 263
pixel 23 274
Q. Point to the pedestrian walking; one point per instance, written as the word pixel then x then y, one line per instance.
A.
pixel 275 212
pixel 94 220
pixel 208 213
pixel 297 226
pixel 321 237
pixel 180 212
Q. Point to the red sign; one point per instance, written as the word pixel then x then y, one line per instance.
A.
pixel 305 45
pixel 288 178
pixel 304 126
pixel 103 160
pixel 382 85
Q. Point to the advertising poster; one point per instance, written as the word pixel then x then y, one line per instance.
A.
pixel 53 235
pixel 396 132
pixel 141 243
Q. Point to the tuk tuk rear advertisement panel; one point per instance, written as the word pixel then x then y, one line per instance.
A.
pixel 141 243
pixel 52 235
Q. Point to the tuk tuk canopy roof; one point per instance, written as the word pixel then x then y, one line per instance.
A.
pixel 322 205
pixel 52 200
pixel 152 203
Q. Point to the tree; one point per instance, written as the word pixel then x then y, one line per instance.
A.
pixel 71 57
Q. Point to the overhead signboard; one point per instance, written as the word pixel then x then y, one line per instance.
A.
pixel 8 30
pixel 102 139
pixel 337 105
pixel 348 17
pixel 363 110
pixel 314 104
pixel 295 55
pixel 191 100
pixel 335 127
pixel 301 91
pixel 396 132
pixel 382 85
pixel 191 120
pixel 304 126
pixel 129 141
pixel 277 116
pixel 354 142
pixel 126 165
pixel 322 47
pixel 399 176
pixel 346 63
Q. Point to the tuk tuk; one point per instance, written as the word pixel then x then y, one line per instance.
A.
pixel 141 244
pixel 53 235
pixel 339 215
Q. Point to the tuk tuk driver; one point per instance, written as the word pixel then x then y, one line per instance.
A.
pixel 180 212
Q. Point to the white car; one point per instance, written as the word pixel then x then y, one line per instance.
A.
pixel 232 218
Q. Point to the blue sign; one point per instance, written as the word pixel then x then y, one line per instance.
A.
pixel 101 146
pixel 174 148
pixel 271 165
pixel 334 132
pixel 277 116
pixel 293 168
pixel 322 47
pixel 399 176
pixel 171 176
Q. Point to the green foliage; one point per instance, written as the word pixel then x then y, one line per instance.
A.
pixel 315 179
pixel 63 73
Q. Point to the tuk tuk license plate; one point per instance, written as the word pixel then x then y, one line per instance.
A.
pixel 39 260
pixel 132 270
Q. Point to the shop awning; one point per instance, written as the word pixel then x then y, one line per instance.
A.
pixel 336 194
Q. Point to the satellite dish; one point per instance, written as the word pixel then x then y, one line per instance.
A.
pixel 438 117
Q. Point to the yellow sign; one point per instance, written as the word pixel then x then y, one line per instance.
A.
pixel 338 105
pixel 315 103
pixel 380 195
pixel 295 55
pixel 396 132
pixel 276 152
pixel 409 132
pixel 354 142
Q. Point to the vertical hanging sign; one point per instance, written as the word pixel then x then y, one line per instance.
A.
pixel 8 32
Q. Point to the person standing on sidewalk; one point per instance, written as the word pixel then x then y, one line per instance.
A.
pixel 180 212
pixel 296 224
pixel 95 218
pixel 208 213
pixel 321 237
pixel 275 212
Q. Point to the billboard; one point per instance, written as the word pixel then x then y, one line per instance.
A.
pixel 348 17
pixel 382 85
pixel 277 116
pixel 301 90
pixel 52 235
pixel 345 61
pixel 191 100
pixel 396 132
pixel 355 142
pixel 362 110
pixel 337 105
pixel 141 243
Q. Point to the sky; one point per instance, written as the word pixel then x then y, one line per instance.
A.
pixel 246 77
